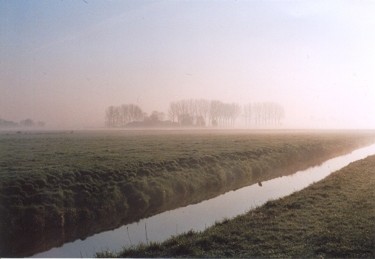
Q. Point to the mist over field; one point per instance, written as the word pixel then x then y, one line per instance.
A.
pixel 64 63
pixel 126 123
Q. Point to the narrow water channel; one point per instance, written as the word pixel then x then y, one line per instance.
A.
pixel 204 214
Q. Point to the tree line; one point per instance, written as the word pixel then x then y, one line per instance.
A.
pixel 120 116
pixel 27 123
pixel 196 112
pixel 265 113
pixel 201 112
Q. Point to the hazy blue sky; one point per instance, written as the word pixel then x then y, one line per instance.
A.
pixel 65 61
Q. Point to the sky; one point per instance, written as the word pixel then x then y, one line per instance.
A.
pixel 65 61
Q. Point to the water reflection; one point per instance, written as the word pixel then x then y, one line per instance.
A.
pixel 202 215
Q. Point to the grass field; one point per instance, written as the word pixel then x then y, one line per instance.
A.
pixel 59 186
pixel 332 218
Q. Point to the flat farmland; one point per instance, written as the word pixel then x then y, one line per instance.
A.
pixel 84 182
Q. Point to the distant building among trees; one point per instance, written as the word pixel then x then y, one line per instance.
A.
pixel 132 116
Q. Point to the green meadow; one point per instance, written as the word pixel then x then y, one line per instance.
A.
pixel 59 186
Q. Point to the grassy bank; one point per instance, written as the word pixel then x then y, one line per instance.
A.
pixel 59 186
pixel 332 218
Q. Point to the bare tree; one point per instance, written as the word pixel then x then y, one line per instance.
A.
pixel 173 111
pixel 263 114
pixel 120 116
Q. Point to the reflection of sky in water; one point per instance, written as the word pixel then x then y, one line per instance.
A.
pixel 204 214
